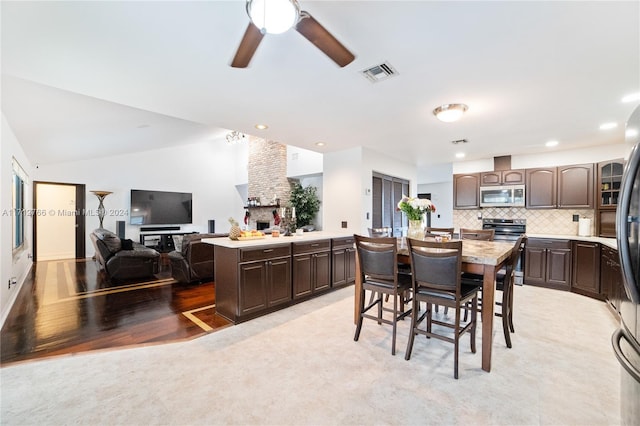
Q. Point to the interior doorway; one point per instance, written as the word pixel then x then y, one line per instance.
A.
pixel 58 221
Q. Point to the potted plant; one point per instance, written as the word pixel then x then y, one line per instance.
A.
pixel 305 201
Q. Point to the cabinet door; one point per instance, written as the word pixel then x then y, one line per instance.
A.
pixel 339 267
pixel 466 191
pixel 513 177
pixel 253 292
pixel 575 186
pixel 585 277
pixel 322 266
pixel 609 180
pixel 278 281
pixel 490 178
pixel 351 265
pixel 606 223
pixel 535 265
pixel 540 192
pixel 302 275
pixel 559 268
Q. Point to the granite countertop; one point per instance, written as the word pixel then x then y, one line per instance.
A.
pixel 475 251
pixel 609 242
pixel 268 240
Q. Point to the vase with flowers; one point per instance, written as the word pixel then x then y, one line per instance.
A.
pixel 415 208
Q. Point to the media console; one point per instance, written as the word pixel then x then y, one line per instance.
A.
pixel 162 242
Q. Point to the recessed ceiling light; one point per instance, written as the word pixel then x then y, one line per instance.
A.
pixel 607 126
pixel 460 155
pixel 319 143
pixel 631 97
pixel 551 143
pixel 630 133
pixel 261 126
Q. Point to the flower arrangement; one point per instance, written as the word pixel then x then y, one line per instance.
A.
pixel 415 207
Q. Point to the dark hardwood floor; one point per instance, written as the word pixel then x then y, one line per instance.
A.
pixel 69 306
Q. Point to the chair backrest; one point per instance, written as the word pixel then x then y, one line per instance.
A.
pixel 377 257
pixel 380 232
pixel 516 252
pixel 436 266
pixel 431 231
pixel 477 234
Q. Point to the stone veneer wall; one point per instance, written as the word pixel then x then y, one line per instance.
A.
pixel 552 221
pixel 267 174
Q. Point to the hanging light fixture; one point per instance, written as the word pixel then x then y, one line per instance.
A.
pixel 235 137
pixel 450 112
pixel 273 16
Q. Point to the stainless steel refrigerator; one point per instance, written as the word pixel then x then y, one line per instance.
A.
pixel 626 340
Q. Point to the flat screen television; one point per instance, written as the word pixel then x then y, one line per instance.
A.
pixel 160 207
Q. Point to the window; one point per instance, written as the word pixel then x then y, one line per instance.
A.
pixel 18 213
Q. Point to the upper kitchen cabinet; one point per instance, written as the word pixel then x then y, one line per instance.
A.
pixel 466 191
pixel 609 179
pixel 503 177
pixel 541 188
pixel 575 186
pixel 565 187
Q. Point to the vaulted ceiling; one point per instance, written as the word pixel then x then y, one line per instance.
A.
pixel 88 79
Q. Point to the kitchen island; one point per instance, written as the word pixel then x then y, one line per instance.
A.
pixel 258 276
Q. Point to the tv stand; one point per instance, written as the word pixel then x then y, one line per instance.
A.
pixel 162 242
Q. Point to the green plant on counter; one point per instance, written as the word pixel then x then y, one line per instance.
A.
pixel 306 203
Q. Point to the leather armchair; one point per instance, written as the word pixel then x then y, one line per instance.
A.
pixel 122 263
pixel 194 262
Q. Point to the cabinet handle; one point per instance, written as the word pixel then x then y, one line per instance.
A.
pixel 267 250
pixel 315 245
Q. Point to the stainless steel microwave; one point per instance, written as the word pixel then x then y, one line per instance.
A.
pixel 502 196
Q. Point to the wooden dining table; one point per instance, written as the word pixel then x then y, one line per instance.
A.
pixel 484 258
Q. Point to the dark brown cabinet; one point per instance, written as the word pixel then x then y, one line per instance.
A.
pixel 548 263
pixel 575 186
pixel 343 261
pixel 611 285
pixel 541 186
pixel 562 187
pixel 608 189
pixel 585 276
pixel 311 268
pixel 502 177
pixel 252 281
pixel 466 191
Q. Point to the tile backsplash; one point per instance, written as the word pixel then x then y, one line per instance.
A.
pixel 552 221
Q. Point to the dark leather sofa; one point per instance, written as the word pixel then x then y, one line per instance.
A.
pixel 194 261
pixel 125 263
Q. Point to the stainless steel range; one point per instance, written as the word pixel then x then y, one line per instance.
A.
pixel 509 230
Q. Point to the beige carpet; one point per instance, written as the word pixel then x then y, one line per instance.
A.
pixel 301 366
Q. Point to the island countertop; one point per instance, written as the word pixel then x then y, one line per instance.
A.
pixel 281 240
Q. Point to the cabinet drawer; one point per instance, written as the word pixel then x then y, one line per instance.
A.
pixel 251 254
pixel 311 247
pixel 346 242
pixel 548 243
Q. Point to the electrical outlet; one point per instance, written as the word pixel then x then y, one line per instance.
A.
pixel 344 224
pixel 576 217
pixel 9 283
pixel 479 215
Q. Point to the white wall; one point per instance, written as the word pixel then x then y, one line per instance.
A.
pixel 301 162
pixel 12 264
pixel 347 186
pixel 442 197
pixel 209 170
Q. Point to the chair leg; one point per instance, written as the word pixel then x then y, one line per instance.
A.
pixel 429 313
pixel 511 309
pixel 506 313
pixel 360 318
pixel 474 320
pixel 395 324
pixel 412 333
pixel 456 343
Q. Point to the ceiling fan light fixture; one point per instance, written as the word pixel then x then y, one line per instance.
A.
pixel 273 16
pixel 450 112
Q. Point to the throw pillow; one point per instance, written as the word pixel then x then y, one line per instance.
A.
pixel 126 244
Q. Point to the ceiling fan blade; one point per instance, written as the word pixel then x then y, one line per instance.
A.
pixel 250 41
pixel 313 31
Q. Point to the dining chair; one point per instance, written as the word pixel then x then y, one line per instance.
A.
pixel 477 234
pixel 377 257
pixel 504 282
pixel 432 231
pixel 436 271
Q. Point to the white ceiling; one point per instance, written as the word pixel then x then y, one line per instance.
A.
pixel 88 79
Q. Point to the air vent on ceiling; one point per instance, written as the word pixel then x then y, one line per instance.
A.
pixel 456 142
pixel 379 72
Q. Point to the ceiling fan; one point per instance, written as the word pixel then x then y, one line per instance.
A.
pixel 278 16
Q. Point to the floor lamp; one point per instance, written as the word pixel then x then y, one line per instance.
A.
pixel 101 209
